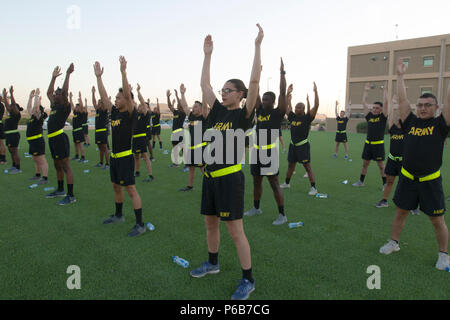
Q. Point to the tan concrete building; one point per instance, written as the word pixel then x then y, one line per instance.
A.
pixel 427 59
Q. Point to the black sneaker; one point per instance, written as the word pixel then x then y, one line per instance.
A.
pixel 114 219
pixel 149 179
pixel 137 174
pixel 187 189
pixel 75 159
pixel 42 181
pixel 137 230
pixel 56 194
pixel 382 204
pixel 98 165
pixel 67 200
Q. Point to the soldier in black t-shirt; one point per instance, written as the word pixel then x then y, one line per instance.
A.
pixel 84 117
pixel 35 138
pixel 194 140
pixel 149 130
pixel 420 181
pixel 300 149
pixel 2 133
pixel 101 130
pixel 11 131
pixel 123 119
pixel 156 125
pixel 177 127
pixel 341 133
pixel 374 145
pixel 224 183
pixel 77 131
pixel 268 119
pixel 57 139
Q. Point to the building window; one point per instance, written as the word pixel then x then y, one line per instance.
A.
pixel 426 90
pixel 406 62
pixel 428 61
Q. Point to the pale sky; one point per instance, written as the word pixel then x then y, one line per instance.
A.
pixel 163 42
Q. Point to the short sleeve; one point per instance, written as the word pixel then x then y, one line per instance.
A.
pixel 442 126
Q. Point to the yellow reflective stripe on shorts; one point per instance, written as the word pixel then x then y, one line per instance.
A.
pixel 375 142
pixel 395 158
pixel 121 154
pixel 199 146
pixel 178 130
pixel 224 172
pixel 267 147
pixel 56 133
pixel 101 130
pixel 34 137
pixel 140 135
pixel 11 131
pixel 429 177
pixel 77 129
pixel 300 143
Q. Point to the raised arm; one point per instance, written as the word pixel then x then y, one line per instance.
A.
pixel 126 88
pixel 364 99
pixel 392 118
pixel 140 97
pixel 205 83
pixel 106 101
pixel 336 110
pixel 65 88
pixel 446 108
pixel 5 99
pixel 72 106
pixel 404 106
pixel 183 102
pixel 289 99
pixel 205 108
pixel 157 110
pixel 30 100
pixel 80 101
pixel 386 101
pixel 314 110
pixel 51 89
pixel 169 103
pixel 37 102
pixel 179 108
pixel 94 100
pixel 13 107
pixel 282 102
pixel 256 74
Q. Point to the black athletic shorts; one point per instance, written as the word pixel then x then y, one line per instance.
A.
pixel 101 137
pixel 373 152
pixel 149 134
pixel 223 197
pixel 85 129
pixel 255 168
pixel 341 137
pixel 78 136
pixel 140 145
pixel 2 132
pixel 122 171
pixel 300 154
pixel 428 195
pixel 156 131
pixel 393 168
pixel 190 160
pixel 37 147
pixel 12 140
pixel 59 146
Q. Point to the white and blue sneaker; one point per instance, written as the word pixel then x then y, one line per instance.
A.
pixel 243 290
pixel 204 269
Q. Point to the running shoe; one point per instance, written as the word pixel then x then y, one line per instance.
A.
pixel 443 261
pixel 114 219
pixel 42 181
pixel 345 157
pixel 415 212
pixel 137 230
pixel 280 220
pixel 14 171
pixel 67 200
pixel 390 247
pixel 252 212
pixel 204 269
pixel 98 165
pixel 335 156
pixel 285 186
pixel 313 191
pixel 187 189
pixel 358 184
pixel 35 178
pixel 382 204
pixel 149 179
pixel 56 194
pixel 243 291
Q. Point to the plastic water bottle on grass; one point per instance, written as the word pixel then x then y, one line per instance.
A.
pixel 86 171
pixel 150 226
pixel 296 225
pixel 322 196
pixel 181 262
pixel 33 186
pixel 50 189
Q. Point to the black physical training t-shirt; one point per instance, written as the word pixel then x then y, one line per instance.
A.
pixel 194 124
pixel 397 141
pixel 341 123
pixel 178 120
pixel 84 118
pixel 268 120
pixel 424 144
pixel 34 125
pixel 142 122
pixel 101 119
pixel 58 117
pixel 122 124
pixel 12 121
pixel 155 118
pixel 376 124
pixel 222 120
pixel 77 120
pixel 300 126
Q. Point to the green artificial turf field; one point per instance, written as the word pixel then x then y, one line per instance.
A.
pixel 326 259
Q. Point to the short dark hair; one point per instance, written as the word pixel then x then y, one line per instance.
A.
pixel 271 95
pixel 240 86
pixel 427 95
pixel 132 95
pixel 201 104
pixel 378 103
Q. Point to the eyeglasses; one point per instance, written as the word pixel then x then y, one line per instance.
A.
pixel 424 105
pixel 227 91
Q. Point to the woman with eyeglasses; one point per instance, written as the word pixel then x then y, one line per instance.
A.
pixel 224 183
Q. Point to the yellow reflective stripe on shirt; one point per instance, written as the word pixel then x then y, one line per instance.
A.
pixel 140 135
pixel 121 154
pixel 375 142
pixel 199 146
pixel 224 172
pixel 429 177
pixel 300 143
pixel 34 137
pixel 101 130
pixel 395 158
pixel 11 131
pixel 56 133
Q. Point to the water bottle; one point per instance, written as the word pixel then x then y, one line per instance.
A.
pixel 296 225
pixel 180 261
pixel 86 171
pixel 322 196
pixel 447 269
pixel 6 171
pixel 33 186
pixel 49 189
pixel 345 182
pixel 150 226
